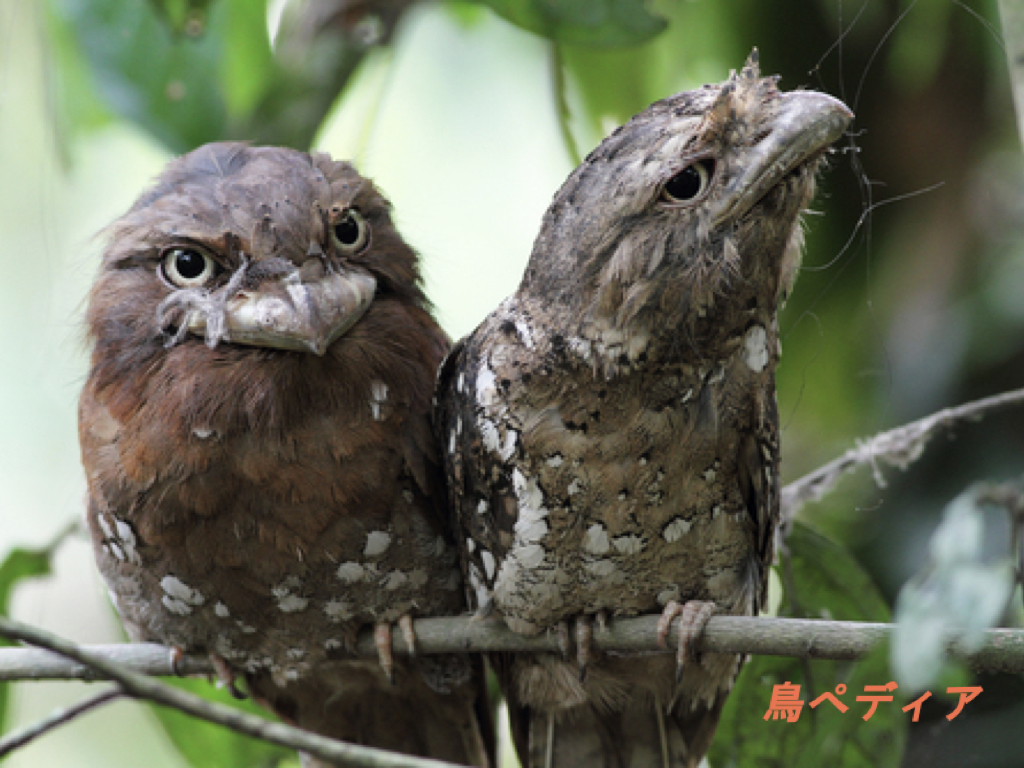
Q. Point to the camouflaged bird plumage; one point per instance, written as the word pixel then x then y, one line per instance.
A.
pixel 255 431
pixel 611 429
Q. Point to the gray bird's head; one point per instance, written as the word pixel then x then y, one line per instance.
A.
pixel 685 219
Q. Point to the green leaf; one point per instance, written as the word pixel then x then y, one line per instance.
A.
pixel 467 15
pixel 206 745
pixel 602 23
pixel 151 71
pixel 176 14
pixel 248 61
pixel 612 86
pixel 608 86
pixel 824 581
pixel 20 564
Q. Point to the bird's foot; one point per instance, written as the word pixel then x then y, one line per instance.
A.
pixel 382 640
pixel 693 619
pixel 585 652
pixel 583 634
pixel 176 656
pixel 584 645
pixel 485 611
pixel 564 646
pixel 227 677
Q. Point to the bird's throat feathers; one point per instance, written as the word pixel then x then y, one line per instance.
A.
pixel 241 389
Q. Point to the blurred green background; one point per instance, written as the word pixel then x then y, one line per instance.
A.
pixel 469 115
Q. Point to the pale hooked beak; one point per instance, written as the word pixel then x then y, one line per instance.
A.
pixel 807 122
pixel 298 311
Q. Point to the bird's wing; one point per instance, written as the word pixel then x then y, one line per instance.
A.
pixel 758 470
pixel 483 504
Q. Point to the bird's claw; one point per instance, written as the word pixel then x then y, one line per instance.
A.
pixel 583 635
pixel 385 656
pixel 408 633
pixel 226 676
pixel 693 619
pixel 562 631
pixel 584 645
pixel 176 656
pixel 382 641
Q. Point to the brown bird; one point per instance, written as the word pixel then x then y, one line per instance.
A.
pixel 611 429
pixel 255 430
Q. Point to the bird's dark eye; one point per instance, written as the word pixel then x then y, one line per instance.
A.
pixel 351 232
pixel 188 267
pixel 690 183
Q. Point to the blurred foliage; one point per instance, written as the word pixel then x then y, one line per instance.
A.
pixel 18 565
pixel 910 295
pixel 608 23
pixel 164 71
pixel 206 744
pixel 959 594
pixel 201 71
pixel 821 581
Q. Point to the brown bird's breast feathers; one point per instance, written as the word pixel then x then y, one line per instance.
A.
pixel 244 499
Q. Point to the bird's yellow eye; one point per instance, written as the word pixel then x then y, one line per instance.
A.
pixel 351 232
pixel 689 184
pixel 188 267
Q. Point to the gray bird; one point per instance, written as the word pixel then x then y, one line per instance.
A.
pixel 611 430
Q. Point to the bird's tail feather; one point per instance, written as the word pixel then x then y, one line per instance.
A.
pixel 640 735
pixel 354 703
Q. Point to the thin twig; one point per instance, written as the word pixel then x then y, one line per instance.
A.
pixel 142 658
pixel 1011 14
pixel 800 638
pixel 898 447
pixel 59 717
pixel 141 687
pixel 562 111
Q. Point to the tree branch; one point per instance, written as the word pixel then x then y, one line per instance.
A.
pixel 1003 649
pixel 129 665
pixel 13 741
pixel 138 686
pixel 898 447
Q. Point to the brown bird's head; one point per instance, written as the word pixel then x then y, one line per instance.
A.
pixel 252 256
pixel 684 213
pixel 261 246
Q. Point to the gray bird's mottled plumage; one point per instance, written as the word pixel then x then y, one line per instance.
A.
pixel 611 430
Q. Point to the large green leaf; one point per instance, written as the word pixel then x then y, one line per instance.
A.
pixel 19 564
pixel 823 581
pixel 144 69
pixel 193 71
pixel 604 23
pixel 248 64
pixel 206 745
